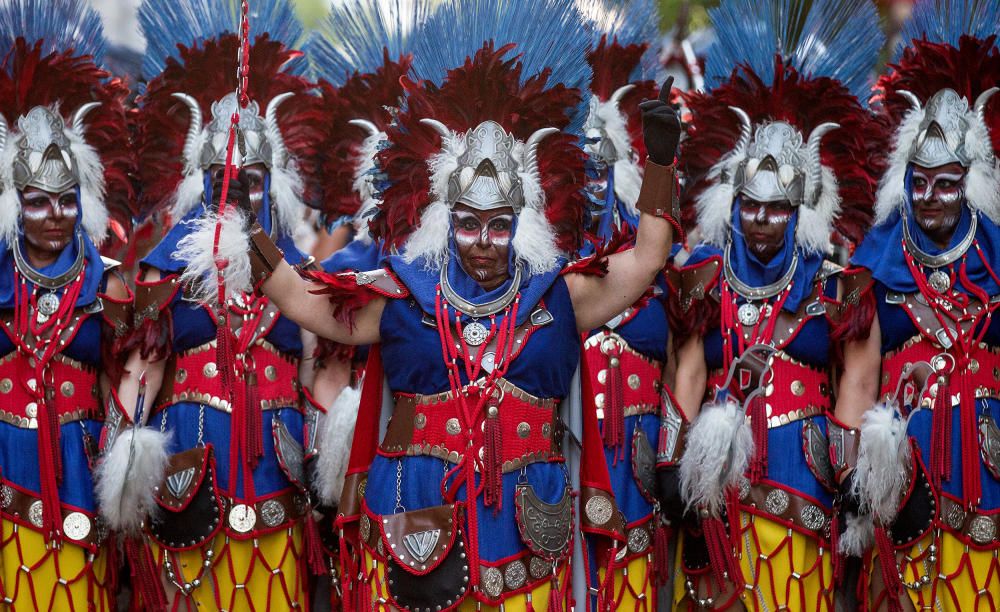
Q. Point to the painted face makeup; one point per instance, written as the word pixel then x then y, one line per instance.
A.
pixel 255 172
pixel 48 220
pixel 763 225
pixel 937 200
pixel 483 241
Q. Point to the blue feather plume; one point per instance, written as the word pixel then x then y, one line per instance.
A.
pixel 167 23
pixel 945 21
pixel 631 22
pixel 355 33
pixel 61 24
pixel 840 39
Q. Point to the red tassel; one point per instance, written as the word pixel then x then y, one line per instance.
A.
pixel 255 441
pixel 890 573
pixel 971 484
pixel 720 553
pixel 614 405
pixel 315 559
pixel 145 576
pixel 838 560
pixel 555 596
pixel 941 433
pixel 224 349
pixel 758 425
pixel 661 554
pixel 528 607
pixel 50 470
pixel 493 459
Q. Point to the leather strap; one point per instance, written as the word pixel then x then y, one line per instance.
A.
pixel 151 298
pixel 264 255
pixel 787 507
pixel 25 508
pixel 657 196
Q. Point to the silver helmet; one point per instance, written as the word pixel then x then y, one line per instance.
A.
pixel 941 135
pixel 44 157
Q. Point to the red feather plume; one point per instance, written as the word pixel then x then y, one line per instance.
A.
pixel 612 63
pixel 486 87
pixel 362 96
pixel 30 79
pixel 207 72
pixel 927 67
pixel 855 152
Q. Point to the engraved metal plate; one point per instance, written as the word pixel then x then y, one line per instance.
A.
pixel 541 316
pixel 638 539
pixel 670 429
pixel 982 530
pixel 514 575
pixel 48 304
pixel 291 452
pixel 178 482
pixel 744 488
pixel 954 517
pixel 748 314
pixel 816 448
pixel 598 510
pixel 363 278
pixel 365 527
pixel 6 496
pixel 989 444
pixel 492 580
pixel 242 518
pixel 776 502
pixel 76 526
pixel 475 333
pixel 421 544
pixel 939 281
pixel 272 513
pixel 644 464
pixel 545 528
pixel 35 513
pixel 539 568
pixel 813 517
pixel 452 426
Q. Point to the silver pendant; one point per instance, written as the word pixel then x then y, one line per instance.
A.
pixel 939 281
pixel 475 333
pixel 48 304
pixel 748 314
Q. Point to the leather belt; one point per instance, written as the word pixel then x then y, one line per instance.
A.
pixel 983 370
pixel 978 529
pixel 782 505
pixel 244 519
pixel 25 508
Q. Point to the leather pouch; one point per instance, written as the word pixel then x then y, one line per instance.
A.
pixel 190 510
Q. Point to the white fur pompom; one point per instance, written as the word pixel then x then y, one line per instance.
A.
pixel 883 471
pixel 195 251
pixel 858 537
pixel 336 431
pixel 125 492
pixel 717 452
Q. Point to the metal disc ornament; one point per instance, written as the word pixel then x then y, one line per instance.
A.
pixel 475 333
pixel 748 314
pixel 939 281
pixel 48 304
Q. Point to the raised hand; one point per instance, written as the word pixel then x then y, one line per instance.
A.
pixel 661 126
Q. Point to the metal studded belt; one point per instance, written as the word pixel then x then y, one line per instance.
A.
pixel 25 508
pixel 981 529
pixel 983 370
pixel 641 376
pixel 243 519
pixel 785 506
pixel 73 394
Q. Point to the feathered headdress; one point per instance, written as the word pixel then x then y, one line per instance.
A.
pixel 185 111
pixel 62 118
pixel 359 53
pixel 623 58
pixel 489 134
pixel 939 98
pixel 786 123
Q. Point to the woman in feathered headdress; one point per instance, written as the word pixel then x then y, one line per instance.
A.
pixel 465 503
pixel 226 526
pixel 627 355
pixel 926 286
pixel 64 160
pixel 775 164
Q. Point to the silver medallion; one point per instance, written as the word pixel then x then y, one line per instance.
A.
pixel 6 496
pixel 748 314
pixel 539 568
pixel 982 530
pixel 939 281
pixel 76 526
pixel 242 518
pixel 813 517
pixel 475 333
pixel 492 580
pixel 598 510
pixel 776 502
pixel 954 517
pixel 48 304
pixel 638 539
pixel 744 487
pixel 35 513
pixel 272 513
pixel 514 575
pixel 365 527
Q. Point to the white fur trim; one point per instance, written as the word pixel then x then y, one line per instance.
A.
pixel 858 536
pixel 430 239
pixel 124 492
pixel 364 185
pixel 534 242
pixel 883 471
pixel 716 455
pixel 891 195
pixel 628 182
pixel 815 224
pixel 195 252
pixel 336 431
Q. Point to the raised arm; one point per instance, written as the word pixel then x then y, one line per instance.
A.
pixel 596 299
pixel 858 387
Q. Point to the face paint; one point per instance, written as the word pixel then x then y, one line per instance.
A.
pixel 48 221
pixel 483 242
pixel 763 225
pixel 938 194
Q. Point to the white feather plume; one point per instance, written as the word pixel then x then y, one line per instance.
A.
pixel 336 432
pixel 430 239
pixel 858 536
pixel 628 183
pixel 195 251
pixel 92 188
pixel 815 224
pixel 891 195
pixel 286 197
pixel 716 455
pixel 125 492
pixel 883 471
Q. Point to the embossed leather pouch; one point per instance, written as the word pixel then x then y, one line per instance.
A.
pixel 190 511
pixel 424 549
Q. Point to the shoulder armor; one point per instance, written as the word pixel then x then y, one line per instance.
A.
pixel 696 280
pixel 856 282
pixel 382 282
pixel 151 298
pixel 828 270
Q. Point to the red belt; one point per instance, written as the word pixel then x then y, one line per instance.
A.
pixel 640 388
pixel 983 370
pixel 433 425
pixel 72 391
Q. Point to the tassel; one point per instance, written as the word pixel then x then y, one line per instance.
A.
pixel 614 405
pixel 50 469
pixel 528 607
pixel 720 554
pixel 758 425
pixel 493 459
pixel 661 554
pixel 838 559
pixel 555 596
pixel 971 483
pixel 255 441
pixel 315 559
pixel 890 573
pixel 145 576
pixel 941 433
pixel 224 349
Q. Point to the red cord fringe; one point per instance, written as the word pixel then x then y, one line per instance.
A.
pixel 145 576
pixel 493 462
pixel 941 433
pixel 758 424
pixel 661 554
pixel 614 406
pixel 890 573
pixel 315 559
pixel 720 552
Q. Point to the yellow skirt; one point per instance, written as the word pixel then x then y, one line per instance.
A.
pixel 34 577
pixel 266 573
pixel 633 586
pixel 781 569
